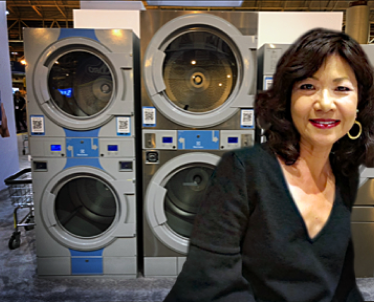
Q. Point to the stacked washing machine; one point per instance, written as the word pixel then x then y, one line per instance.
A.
pixel 198 87
pixel 363 213
pixel 81 90
pixel 268 56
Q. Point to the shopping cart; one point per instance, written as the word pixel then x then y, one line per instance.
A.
pixel 20 191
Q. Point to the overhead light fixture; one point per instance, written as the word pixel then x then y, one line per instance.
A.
pixel 195 3
pixel 23 62
pixel 7 12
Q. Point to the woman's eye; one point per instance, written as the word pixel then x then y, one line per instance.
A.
pixel 343 88
pixel 307 86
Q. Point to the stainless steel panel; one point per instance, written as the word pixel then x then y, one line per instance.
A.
pixel 365 195
pixel 363 214
pixel 363 240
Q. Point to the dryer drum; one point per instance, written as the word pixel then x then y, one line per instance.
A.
pixel 185 191
pixel 85 207
pixel 80 83
pixel 200 71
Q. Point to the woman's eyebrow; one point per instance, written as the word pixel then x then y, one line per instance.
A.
pixel 340 79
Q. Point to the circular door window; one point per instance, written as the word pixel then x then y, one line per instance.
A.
pixel 80 84
pixel 85 207
pixel 185 189
pixel 200 70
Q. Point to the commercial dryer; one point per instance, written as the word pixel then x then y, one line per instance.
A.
pixel 198 87
pixel 363 213
pixel 268 56
pixel 81 92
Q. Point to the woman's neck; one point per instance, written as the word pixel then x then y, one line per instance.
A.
pixel 315 160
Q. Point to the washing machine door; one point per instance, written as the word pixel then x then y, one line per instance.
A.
pixel 198 69
pixel 80 84
pixel 86 209
pixel 173 197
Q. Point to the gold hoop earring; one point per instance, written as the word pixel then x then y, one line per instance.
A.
pixel 359 132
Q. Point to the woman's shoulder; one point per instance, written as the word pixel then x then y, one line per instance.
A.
pixel 258 154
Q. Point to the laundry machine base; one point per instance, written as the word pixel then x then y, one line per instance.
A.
pixel 163 267
pixel 124 267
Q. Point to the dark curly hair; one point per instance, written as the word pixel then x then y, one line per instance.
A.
pixel 300 61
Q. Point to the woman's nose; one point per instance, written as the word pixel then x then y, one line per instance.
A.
pixel 325 101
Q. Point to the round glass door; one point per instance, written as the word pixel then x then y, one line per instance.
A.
pixel 85 207
pixel 185 190
pixel 80 84
pixel 200 70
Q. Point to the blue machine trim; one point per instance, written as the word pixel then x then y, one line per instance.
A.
pixel 75 32
pixel 82 148
pixel 87 266
pixel 97 253
pixel 88 133
pixel 198 140
pixel 79 162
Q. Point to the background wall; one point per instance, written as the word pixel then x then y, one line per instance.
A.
pixel 107 19
pixel 286 27
pixel 9 163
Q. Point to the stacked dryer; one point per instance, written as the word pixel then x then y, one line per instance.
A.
pixel 198 87
pixel 81 93
pixel 268 56
pixel 363 213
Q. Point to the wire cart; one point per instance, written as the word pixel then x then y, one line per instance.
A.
pixel 20 192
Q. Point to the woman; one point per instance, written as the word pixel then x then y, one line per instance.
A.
pixel 275 223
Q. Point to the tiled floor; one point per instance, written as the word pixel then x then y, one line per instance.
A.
pixel 19 281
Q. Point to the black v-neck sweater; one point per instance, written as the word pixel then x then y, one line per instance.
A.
pixel 250 242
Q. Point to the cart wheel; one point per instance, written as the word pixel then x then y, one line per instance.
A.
pixel 29 220
pixel 23 152
pixel 15 241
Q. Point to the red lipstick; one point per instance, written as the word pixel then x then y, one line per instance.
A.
pixel 324 123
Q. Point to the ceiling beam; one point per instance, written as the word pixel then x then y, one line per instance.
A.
pixel 37 19
pixel 24 23
pixel 14 23
pixel 284 5
pixel 41 4
pixel 11 10
pixel 37 11
pixel 60 10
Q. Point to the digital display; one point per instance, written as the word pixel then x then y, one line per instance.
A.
pixel 233 140
pixel 167 140
pixel 55 147
pixel 112 147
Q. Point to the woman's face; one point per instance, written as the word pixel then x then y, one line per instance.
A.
pixel 323 107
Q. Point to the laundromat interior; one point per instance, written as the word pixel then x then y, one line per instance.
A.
pixel 129 106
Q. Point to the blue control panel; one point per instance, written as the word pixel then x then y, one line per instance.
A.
pixel 198 140
pixel 82 147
